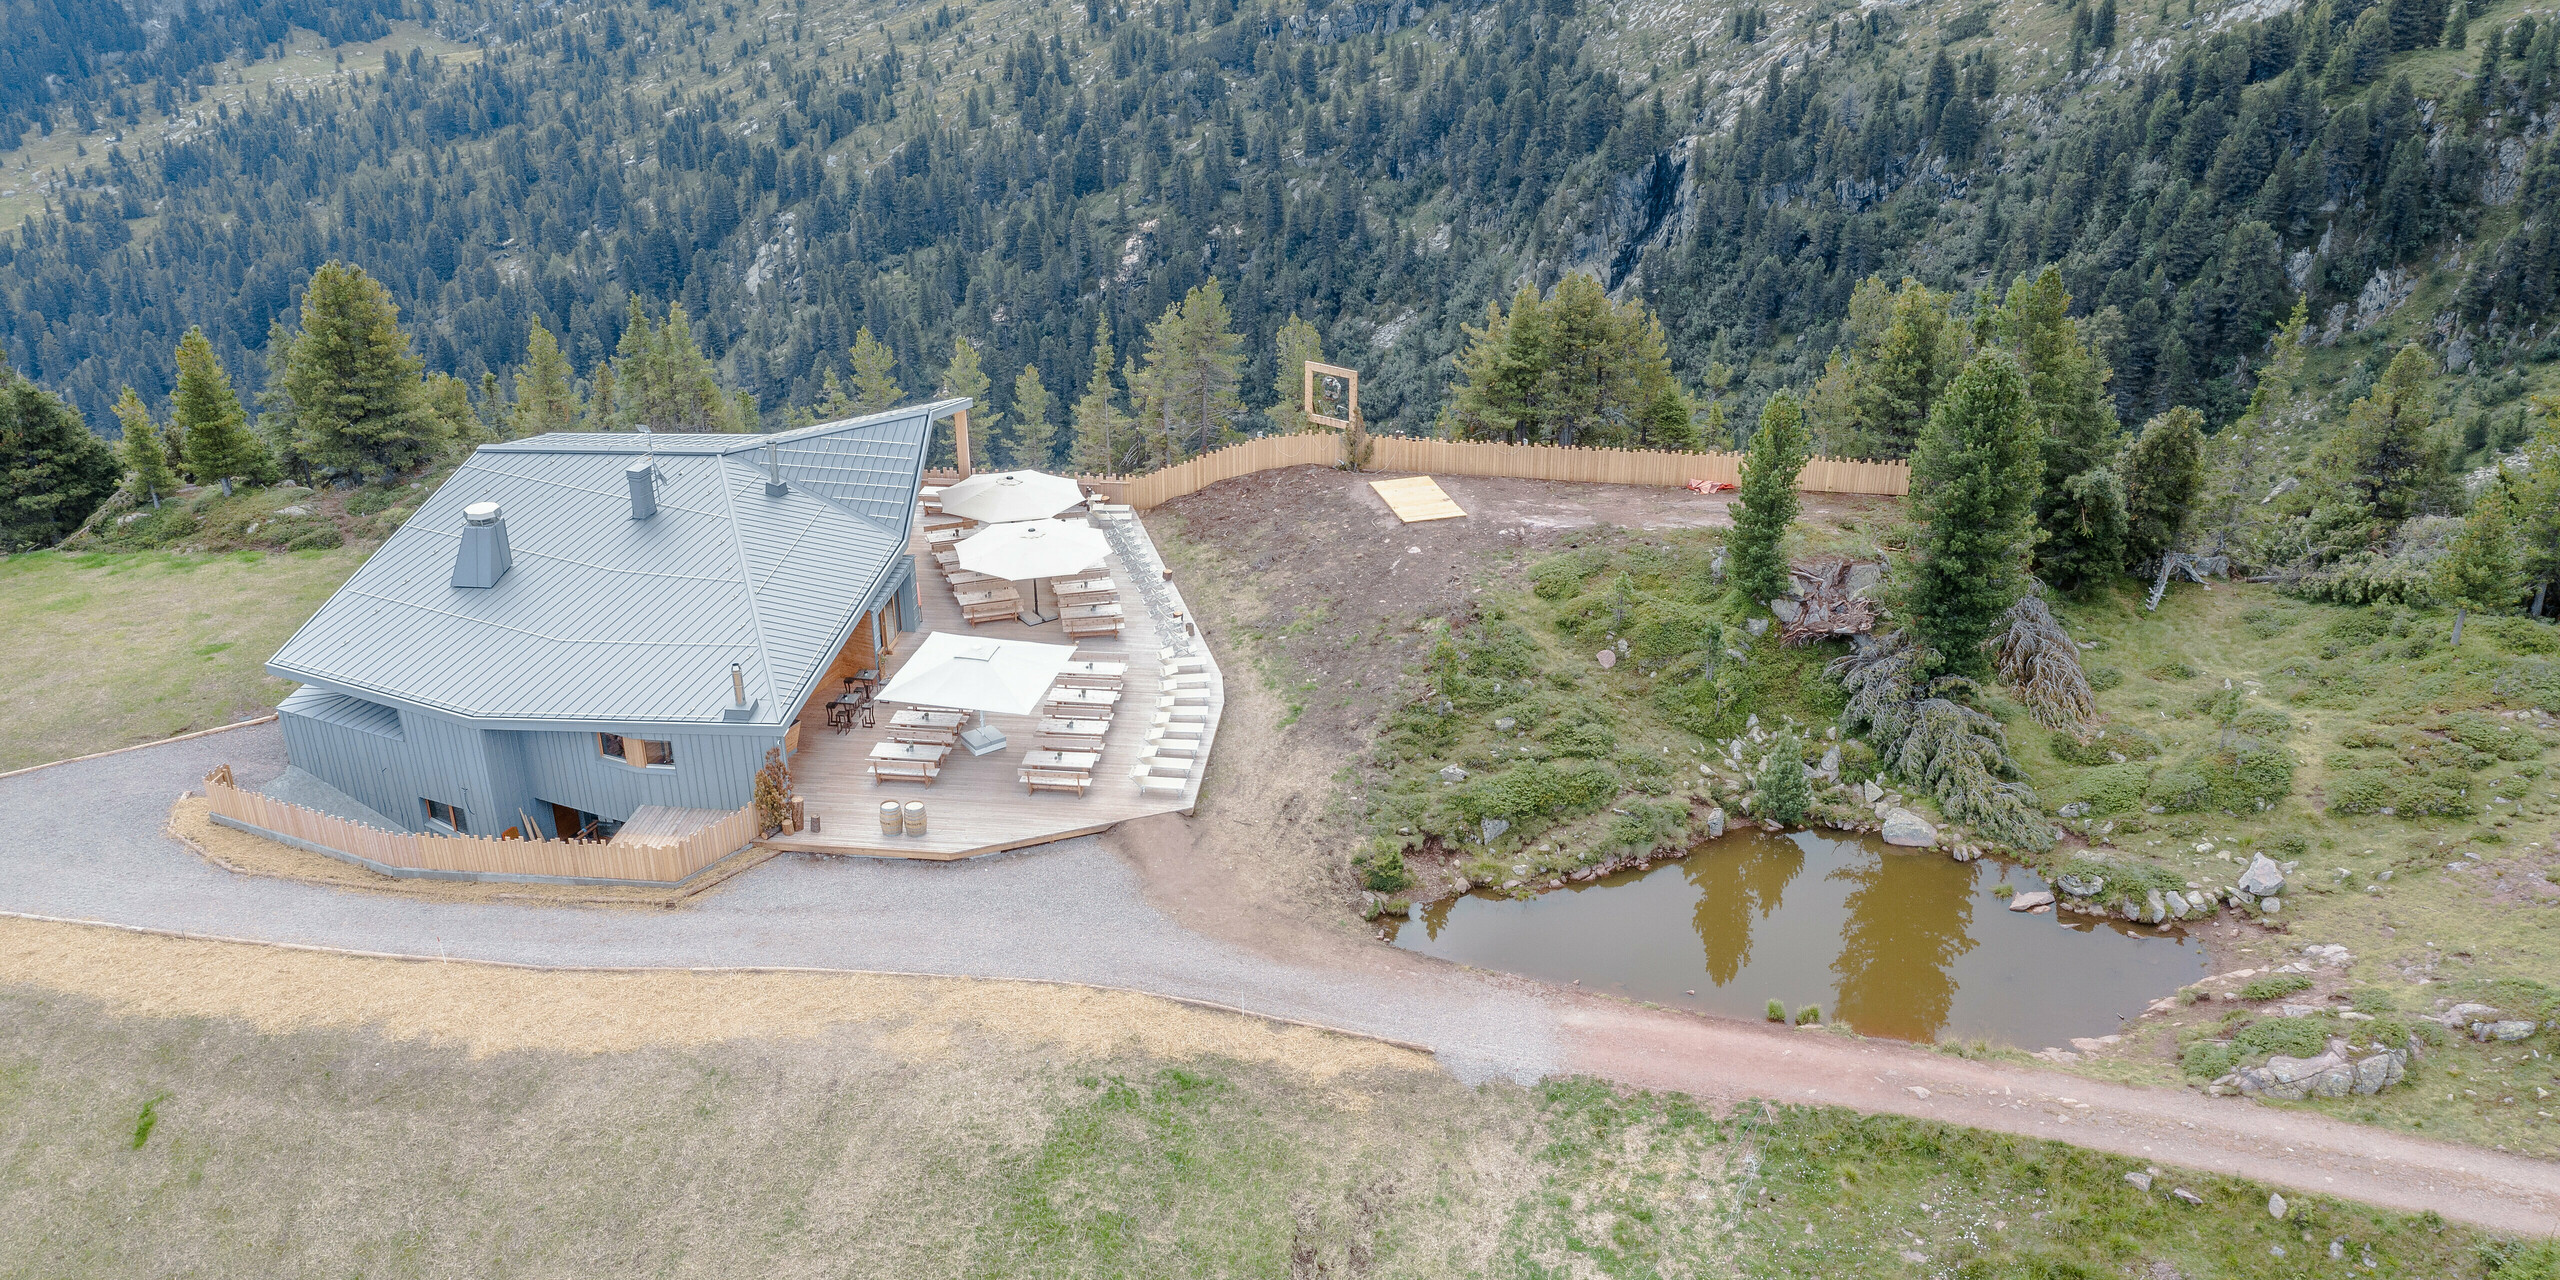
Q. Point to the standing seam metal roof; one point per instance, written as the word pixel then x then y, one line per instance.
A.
pixel 606 619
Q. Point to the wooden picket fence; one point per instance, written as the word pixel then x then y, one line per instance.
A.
pixel 1485 458
pixel 663 860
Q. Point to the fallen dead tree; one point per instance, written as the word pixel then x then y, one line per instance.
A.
pixel 1822 603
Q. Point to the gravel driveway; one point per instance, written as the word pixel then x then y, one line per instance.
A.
pixel 82 841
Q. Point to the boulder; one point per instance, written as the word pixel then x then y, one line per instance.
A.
pixel 1758 627
pixel 2153 909
pixel 2189 1196
pixel 2177 904
pixel 2140 1180
pixel 1870 791
pixel 1607 658
pixel 2381 1071
pixel 2080 886
pixel 1829 769
pixel 2463 1015
pixel 2505 1029
pixel 1862 579
pixel 2075 809
pixel 1715 823
pixel 1452 774
pixel 1784 610
pixel 2275 1208
pixel 296 510
pixel 1505 725
pixel 2263 878
pixel 2031 900
pixel 1909 830
pixel 2293 1079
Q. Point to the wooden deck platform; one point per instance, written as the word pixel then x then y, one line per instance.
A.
pixel 979 804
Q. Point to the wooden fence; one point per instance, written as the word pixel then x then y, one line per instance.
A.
pixel 1480 458
pixel 662 860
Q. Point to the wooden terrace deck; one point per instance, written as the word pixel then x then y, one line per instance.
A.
pixel 979 804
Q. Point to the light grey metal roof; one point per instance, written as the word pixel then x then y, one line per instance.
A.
pixel 608 620
pixel 344 711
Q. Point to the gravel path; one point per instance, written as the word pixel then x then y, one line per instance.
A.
pixel 81 841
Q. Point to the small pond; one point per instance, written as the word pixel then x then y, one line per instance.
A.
pixel 1908 945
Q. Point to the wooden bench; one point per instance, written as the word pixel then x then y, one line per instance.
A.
pixel 1067 742
pixel 1038 780
pixel 988 604
pixel 924 771
pixel 1085 627
pixel 923 737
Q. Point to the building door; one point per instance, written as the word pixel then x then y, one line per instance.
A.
pixel 567 821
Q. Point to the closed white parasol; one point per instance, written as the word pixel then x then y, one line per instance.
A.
pixel 1004 496
pixel 1034 551
pixel 973 673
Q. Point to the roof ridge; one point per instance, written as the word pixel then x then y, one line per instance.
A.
pixel 747 583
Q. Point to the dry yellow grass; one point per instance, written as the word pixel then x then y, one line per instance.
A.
pixel 487 1009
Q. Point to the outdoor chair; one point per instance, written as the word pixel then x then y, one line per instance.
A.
pixel 1149 782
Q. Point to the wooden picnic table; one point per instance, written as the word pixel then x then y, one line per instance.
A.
pixel 914 718
pixel 1096 698
pixel 1094 667
pixel 909 751
pixel 1111 610
pixel 1062 761
pixel 942 738
pixel 1076 726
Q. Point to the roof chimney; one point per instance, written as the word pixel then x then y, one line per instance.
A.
pixel 773 485
pixel 643 476
pixel 483 558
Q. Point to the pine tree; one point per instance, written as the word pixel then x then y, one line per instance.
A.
pixel 875 382
pixel 2384 464
pixel 208 416
pixel 1194 370
pixel 449 399
pixel 964 377
pixel 546 390
pixel 2537 503
pixel 1105 441
pixel 2162 470
pixel 357 405
pixel 1035 437
pixel 1756 569
pixel 2244 462
pixel 663 381
pixel 54 471
pixel 146 464
pixel 2480 570
pixel 1298 344
pixel 2066 395
pixel 1974 483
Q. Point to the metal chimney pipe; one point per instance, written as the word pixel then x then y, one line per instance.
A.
pixel 738 683
pixel 773 485
pixel 643 478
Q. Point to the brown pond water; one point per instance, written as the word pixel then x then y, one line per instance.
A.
pixel 1909 945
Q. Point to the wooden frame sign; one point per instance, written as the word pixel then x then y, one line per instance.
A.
pixel 1342 387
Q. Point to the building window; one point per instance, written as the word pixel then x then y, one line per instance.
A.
pixel 447 816
pixel 639 753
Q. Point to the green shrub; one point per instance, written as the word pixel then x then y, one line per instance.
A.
pixel 370 499
pixel 1382 868
pixel 1587 739
pixel 2491 736
pixel 321 538
pixel 2242 774
pixel 2275 986
pixel 2108 790
pixel 2180 789
pixel 2263 722
pixel 2174 669
pixel 2102 679
pixel 1857 760
pixel 2522 635
pixel 1808 1015
pixel 2209 1059
pixel 2292 1037
pixel 1664 628
pixel 2434 793
pixel 2104 746
pixel 1780 784
pixel 2359 628
pixel 2266 623
pixel 1648 826
pixel 1777 1011
pixel 2374 1000
pixel 1535 789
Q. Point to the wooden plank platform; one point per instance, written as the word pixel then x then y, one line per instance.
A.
pixel 1415 499
pixel 979 804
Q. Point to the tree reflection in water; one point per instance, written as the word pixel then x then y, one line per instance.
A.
pixel 1747 875
pixel 1899 944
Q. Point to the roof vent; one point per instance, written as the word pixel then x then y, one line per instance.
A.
pixel 483 558
pixel 643 476
pixel 773 485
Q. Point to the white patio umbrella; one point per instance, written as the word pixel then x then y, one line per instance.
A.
pixel 1003 496
pixel 974 673
pixel 1034 551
